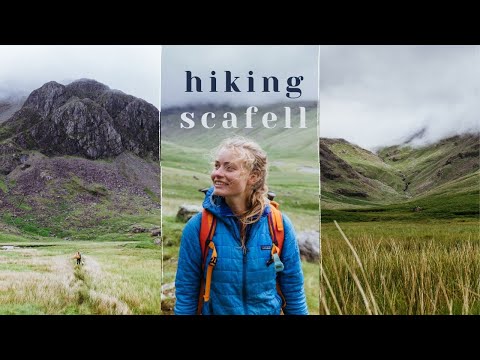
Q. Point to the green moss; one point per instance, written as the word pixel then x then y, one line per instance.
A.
pixel 152 195
pixel 3 186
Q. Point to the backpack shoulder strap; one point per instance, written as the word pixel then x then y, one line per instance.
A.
pixel 207 230
pixel 275 221
pixel 277 232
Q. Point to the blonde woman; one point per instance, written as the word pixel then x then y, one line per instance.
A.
pixel 246 274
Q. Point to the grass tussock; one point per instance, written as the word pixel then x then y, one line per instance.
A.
pixel 416 269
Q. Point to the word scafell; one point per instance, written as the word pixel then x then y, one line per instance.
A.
pixel 230 119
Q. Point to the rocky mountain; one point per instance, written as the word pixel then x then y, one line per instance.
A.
pixel 84 118
pixel 76 157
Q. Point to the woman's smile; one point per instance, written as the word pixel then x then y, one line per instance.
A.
pixel 219 183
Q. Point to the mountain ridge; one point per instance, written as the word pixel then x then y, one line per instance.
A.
pixel 77 160
pixel 84 118
pixel 402 176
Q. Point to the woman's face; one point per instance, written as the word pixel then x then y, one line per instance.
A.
pixel 228 176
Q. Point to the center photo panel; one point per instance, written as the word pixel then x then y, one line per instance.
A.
pixel 240 180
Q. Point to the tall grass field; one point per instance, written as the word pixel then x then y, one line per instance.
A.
pixel 119 273
pixel 114 278
pixel 396 267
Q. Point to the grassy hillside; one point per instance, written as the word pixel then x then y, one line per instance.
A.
pixel 439 180
pixel 186 161
pixel 430 166
pixel 368 164
pixel 354 177
pixel 68 197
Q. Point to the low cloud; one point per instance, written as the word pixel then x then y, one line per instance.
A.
pixel 380 95
pixel 135 70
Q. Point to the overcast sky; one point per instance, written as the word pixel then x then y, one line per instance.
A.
pixel 379 95
pixel 135 70
pixel 279 61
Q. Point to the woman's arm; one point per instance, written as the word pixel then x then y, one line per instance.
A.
pixel 291 278
pixel 189 271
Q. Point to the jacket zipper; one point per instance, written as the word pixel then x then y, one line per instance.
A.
pixel 244 264
pixel 244 278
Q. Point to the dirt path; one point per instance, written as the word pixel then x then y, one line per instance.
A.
pixel 84 281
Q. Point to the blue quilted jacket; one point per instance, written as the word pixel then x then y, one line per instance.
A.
pixel 242 283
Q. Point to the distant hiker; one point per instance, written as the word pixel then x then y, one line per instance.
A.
pixel 78 256
pixel 240 255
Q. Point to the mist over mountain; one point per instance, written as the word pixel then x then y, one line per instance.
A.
pixel 9 104
pixel 378 96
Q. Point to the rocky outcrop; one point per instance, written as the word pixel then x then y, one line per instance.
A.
pixel 43 100
pixel 351 193
pixel 138 126
pixel 10 157
pixel 79 127
pixel 86 89
pixel 87 119
pixel 168 298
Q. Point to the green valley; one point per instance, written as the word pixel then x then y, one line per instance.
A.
pixel 400 228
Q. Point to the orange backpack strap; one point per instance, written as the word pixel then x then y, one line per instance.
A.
pixel 207 230
pixel 275 222
pixel 277 232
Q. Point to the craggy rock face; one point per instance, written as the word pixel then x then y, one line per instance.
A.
pixel 85 118
pixel 10 156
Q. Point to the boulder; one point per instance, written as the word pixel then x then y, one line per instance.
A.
pixel 309 244
pixel 137 229
pixel 186 212
pixel 168 298
pixel 155 231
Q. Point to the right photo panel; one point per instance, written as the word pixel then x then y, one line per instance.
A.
pixel 400 179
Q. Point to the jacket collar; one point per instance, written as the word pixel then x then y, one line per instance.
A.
pixel 217 206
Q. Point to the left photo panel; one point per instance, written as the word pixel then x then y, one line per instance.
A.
pixel 80 180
